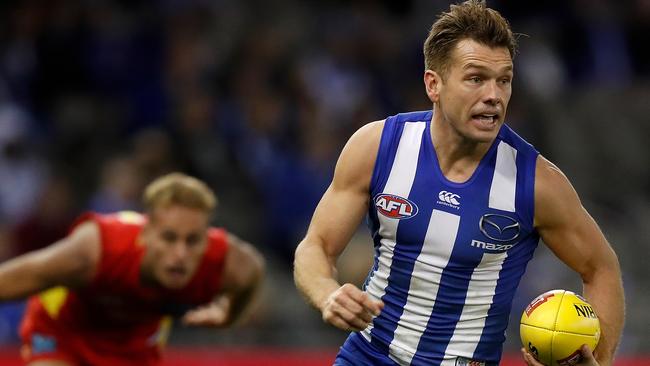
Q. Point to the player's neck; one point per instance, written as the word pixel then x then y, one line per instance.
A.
pixel 458 157
pixel 147 277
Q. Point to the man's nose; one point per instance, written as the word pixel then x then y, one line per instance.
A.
pixel 492 94
pixel 180 250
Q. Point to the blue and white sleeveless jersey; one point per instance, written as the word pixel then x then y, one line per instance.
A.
pixel 448 256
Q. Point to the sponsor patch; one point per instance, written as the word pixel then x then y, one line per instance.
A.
pixel 491 246
pixel 500 228
pixel 42 344
pixel 449 199
pixel 462 361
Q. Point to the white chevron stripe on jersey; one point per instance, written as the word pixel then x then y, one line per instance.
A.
pixel 400 180
pixel 504 182
pixel 480 292
pixel 423 288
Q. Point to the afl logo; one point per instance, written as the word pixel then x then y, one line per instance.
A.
pixel 395 207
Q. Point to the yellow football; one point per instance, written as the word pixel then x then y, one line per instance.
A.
pixel 556 324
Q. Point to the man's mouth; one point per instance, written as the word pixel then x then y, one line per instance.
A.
pixel 486 120
pixel 176 271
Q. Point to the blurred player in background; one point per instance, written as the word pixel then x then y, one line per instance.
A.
pixel 457 203
pixel 106 293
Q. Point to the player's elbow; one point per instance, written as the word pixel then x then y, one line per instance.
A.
pixel 80 272
pixel 257 268
pixel 605 266
pixel 307 248
pixel 301 258
pixel 298 253
pixel 250 266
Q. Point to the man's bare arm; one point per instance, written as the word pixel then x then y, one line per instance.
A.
pixel 69 262
pixel 572 234
pixel 242 277
pixel 337 216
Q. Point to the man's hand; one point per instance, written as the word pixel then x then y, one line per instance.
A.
pixel 215 314
pixel 588 358
pixel 350 309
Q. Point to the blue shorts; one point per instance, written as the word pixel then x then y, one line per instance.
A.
pixel 356 351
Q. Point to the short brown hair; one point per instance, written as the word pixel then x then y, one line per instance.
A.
pixel 473 20
pixel 178 189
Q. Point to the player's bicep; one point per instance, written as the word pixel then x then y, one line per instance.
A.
pixel 336 218
pixel 243 266
pixel 72 261
pixel 563 223
pixel 345 202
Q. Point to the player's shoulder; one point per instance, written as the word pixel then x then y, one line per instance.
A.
pixel 410 117
pixel 548 176
pixel 369 132
pixel 551 184
pixel 362 143
pixel 118 232
pixel 554 194
pixel 394 126
pixel 218 236
pixel 124 220
pixel 358 156
pixel 219 243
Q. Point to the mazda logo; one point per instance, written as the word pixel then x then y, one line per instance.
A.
pixel 500 228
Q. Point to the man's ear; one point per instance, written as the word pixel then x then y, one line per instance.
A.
pixel 432 84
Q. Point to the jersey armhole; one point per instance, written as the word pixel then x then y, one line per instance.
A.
pixel 529 186
pixel 379 172
pixel 219 245
pixel 97 219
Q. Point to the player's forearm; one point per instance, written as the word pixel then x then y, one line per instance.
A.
pixel 243 300
pixel 604 290
pixel 314 273
pixel 19 278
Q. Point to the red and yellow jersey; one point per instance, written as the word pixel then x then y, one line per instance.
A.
pixel 116 313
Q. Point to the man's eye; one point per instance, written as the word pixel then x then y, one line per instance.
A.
pixel 169 237
pixel 475 79
pixel 193 240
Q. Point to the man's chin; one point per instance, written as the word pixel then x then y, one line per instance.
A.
pixel 485 135
pixel 174 282
pixel 483 138
pixel 175 285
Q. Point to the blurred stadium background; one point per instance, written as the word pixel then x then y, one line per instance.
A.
pixel 258 97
